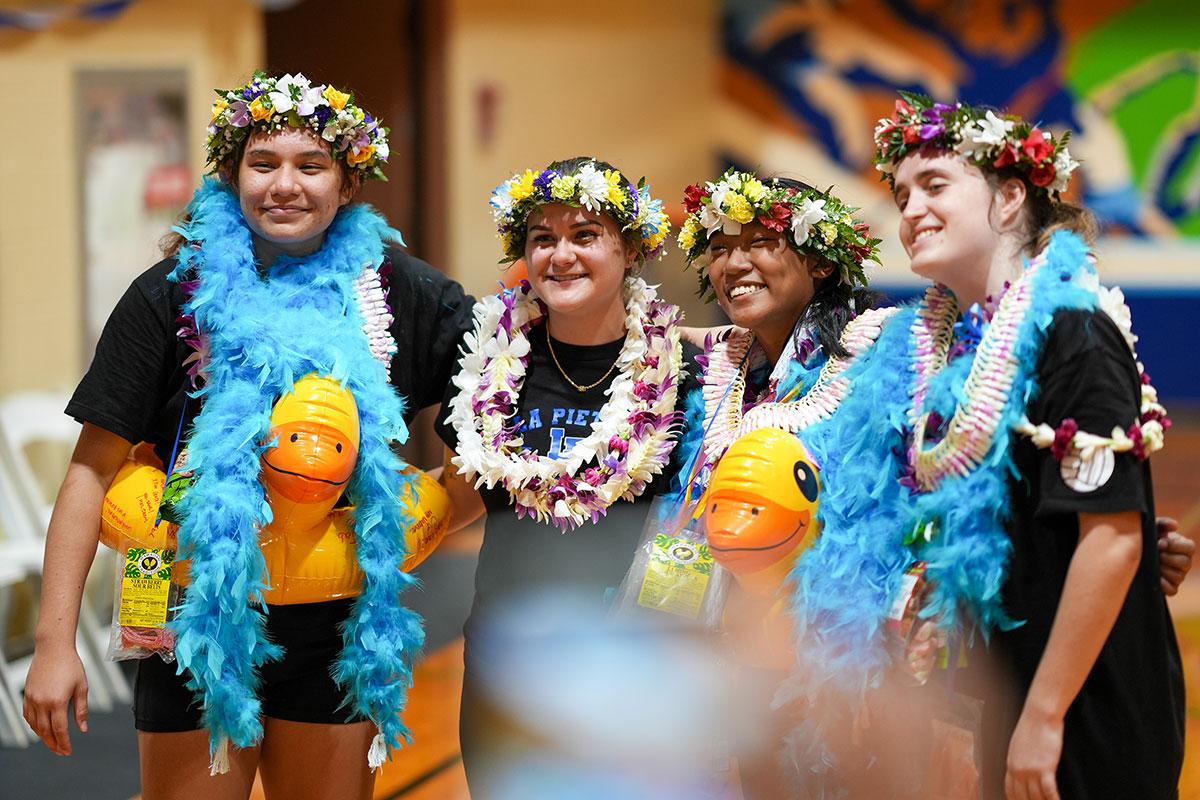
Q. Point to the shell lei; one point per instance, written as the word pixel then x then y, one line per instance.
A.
pixel 630 442
pixel 972 428
pixel 725 387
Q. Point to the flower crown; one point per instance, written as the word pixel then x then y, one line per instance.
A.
pixel 820 224
pixel 588 186
pixel 981 136
pixel 267 104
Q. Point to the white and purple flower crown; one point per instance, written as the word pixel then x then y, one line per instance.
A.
pixel 587 186
pixel 267 104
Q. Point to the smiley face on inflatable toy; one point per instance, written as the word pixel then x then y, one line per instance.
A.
pixel 760 511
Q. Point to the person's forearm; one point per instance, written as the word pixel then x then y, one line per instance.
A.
pixel 1098 580
pixel 74 533
pixel 466 505
pixel 70 548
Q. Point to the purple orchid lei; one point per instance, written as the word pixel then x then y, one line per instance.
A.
pixel 630 442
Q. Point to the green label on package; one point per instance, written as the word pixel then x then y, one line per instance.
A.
pixel 146 587
pixel 676 576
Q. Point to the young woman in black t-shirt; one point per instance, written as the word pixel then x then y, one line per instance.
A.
pixel 1037 380
pixel 564 410
pixel 277 275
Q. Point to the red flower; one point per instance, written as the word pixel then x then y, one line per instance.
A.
pixel 1042 175
pixel 1036 148
pixel 776 218
pixel 1139 446
pixel 903 107
pixel 912 134
pixel 692 196
pixel 1007 156
pixel 1063 437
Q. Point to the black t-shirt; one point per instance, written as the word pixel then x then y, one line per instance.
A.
pixel 137 384
pixel 527 563
pixel 1124 732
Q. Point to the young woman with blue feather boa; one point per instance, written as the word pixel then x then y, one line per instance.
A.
pixel 1020 430
pixel 778 371
pixel 275 275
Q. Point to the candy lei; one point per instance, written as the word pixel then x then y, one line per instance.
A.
pixel 725 387
pixel 630 441
pixel 972 428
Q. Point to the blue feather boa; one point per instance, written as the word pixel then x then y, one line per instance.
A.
pixel 263 335
pixel 845 584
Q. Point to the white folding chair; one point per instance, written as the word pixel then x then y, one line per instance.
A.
pixel 26 418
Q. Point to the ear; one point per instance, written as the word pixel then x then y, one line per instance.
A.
pixel 819 268
pixel 1009 200
pixel 352 182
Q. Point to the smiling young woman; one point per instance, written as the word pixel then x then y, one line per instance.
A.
pixel 1020 475
pixel 564 412
pixel 276 275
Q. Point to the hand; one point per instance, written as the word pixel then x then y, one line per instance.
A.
pixel 920 654
pixel 56 678
pixel 1174 554
pixel 1033 755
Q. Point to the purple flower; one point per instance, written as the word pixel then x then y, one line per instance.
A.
pixel 541 183
pixel 805 349
pixel 239 116
pixel 644 391
pixel 931 131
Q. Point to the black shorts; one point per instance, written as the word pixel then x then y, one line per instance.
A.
pixel 298 687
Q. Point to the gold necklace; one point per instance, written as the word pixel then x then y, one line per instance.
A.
pixel 567 377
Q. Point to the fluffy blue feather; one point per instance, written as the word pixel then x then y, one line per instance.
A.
pixel 263 335
pixel 845 584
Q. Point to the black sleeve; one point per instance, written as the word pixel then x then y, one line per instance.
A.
pixel 137 360
pixel 1087 373
pixel 431 314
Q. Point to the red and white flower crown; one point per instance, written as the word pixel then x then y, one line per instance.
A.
pixel 983 137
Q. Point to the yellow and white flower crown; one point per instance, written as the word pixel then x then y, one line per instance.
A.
pixel 267 104
pixel 815 223
pixel 586 186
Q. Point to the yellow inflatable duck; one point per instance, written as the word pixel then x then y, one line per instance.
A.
pixel 309 544
pixel 759 517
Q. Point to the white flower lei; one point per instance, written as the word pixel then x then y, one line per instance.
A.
pixel 630 442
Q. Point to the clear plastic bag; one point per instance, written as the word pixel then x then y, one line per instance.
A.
pixel 146 594
pixel 673 572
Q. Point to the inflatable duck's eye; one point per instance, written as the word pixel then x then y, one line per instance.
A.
pixel 754 512
pixel 714 508
pixel 339 447
pixel 295 437
pixel 806 480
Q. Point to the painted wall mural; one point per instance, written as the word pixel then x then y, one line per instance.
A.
pixel 1123 76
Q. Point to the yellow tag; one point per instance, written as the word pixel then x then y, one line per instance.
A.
pixel 676 576
pixel 146 587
